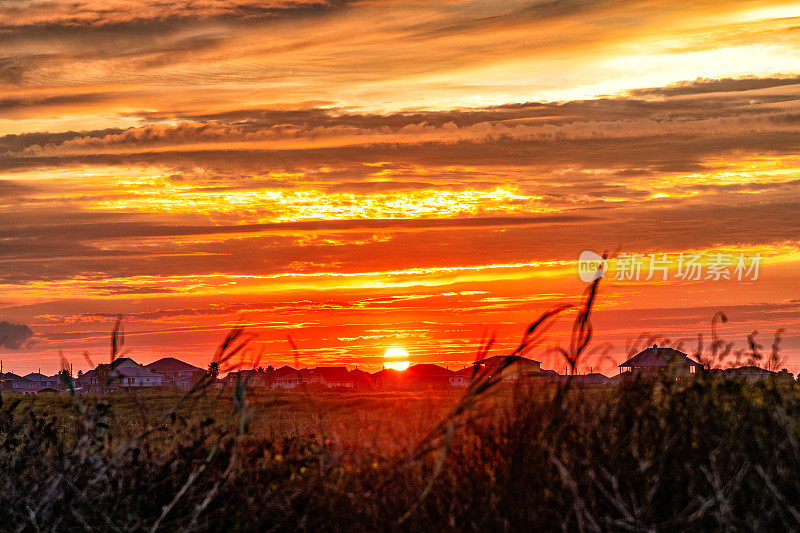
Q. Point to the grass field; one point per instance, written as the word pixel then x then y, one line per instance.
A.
pixel 357 420
pixel 665 456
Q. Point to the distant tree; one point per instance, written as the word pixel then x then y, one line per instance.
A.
pixel 213 369
pixel 270 368
pixel 80 374
pixel 64 378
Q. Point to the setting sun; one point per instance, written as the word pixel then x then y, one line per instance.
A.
pixel 396 365
pixel 400 357
pixel 395 353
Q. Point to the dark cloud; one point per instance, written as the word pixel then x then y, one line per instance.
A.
pixel 14 336
pixel 13 189
pixel 18 142
pixel 610 153
pixel 385 186
pixel 11 71
pixel 623 134
pixel 529 12
pixel 111 230
pixel 725 85
pixel 75 17
pixel 15 103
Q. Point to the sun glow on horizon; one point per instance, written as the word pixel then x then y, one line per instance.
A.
pixel 400 359
pixel 397 365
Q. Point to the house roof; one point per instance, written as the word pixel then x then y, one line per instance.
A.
pixel 594 377
pixel 120 360
pixel 750 369
pixel 133 372
pixel 499 360
pixel 284 371
pixel 35 376
pixel 427 370
pixel 244 374
pixel 292 373
pixel 387 373
pixel 170 364
pixel 88 374
pixel 333 373
pixel 359 376
pixel 659 357
pixel 10 376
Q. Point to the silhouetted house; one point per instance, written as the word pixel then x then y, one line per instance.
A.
pixel 388 378
pixel 751 373
pixel 124 376
pixel 362 380
pixel 37 390
pixel 593 378
pixel 540 376
pixel 176 373
pixel 123 372
pixel 12 381
pixel 40 380
pixel 426 375
pixel 330 377
pixel 251 378
pixel 280 377
pixel 88 381
pixel 755 373
pixel 124 362
pixel 463 377
pixel 509 367
pixel 91 380
pixel 333 376
pixel 613 380
pixel 653 362
pixel 287 377
pixel 549 375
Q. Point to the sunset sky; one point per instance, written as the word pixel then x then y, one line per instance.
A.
pixel 378 174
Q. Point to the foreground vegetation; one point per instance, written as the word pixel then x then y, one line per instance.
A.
pixel 669 456
pixel 701 454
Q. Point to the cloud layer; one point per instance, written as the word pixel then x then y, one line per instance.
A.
pixel 364 172
pixel 14 336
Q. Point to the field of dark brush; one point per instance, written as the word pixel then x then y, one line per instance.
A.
pixel 667 456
